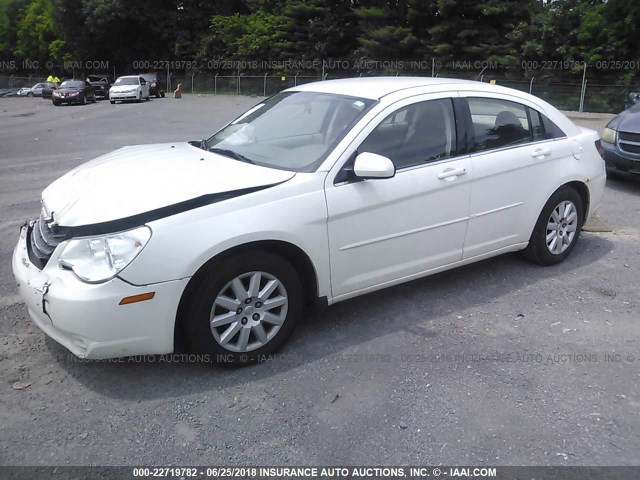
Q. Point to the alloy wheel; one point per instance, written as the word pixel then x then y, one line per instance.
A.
pixel 249 311
pixel 561 227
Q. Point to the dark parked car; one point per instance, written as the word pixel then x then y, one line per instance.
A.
pixel 156 86
pixel 621 143
pixel 74 91
pixel 101 84
pixel 632 99
pixel 47 92
pixel 9 92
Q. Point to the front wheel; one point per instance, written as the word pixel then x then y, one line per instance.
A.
pixel 244 308
pixel 557 229
pixel 112 102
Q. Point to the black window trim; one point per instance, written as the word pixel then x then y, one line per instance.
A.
pixel 471 132
pixel 345 175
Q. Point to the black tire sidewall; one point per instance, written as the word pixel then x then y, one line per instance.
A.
pixel 197 327
pixel 537 250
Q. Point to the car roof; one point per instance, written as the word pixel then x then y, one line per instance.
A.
pixel 129 76
pixel 378 87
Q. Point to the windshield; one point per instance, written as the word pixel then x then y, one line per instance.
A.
pixel 72 84
pixel 290 131
pixel 149 77
pixel 127 81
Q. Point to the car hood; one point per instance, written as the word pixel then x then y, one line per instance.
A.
pixel 629 120
pixel 136 180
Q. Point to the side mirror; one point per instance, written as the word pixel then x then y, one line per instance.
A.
pixel 371 165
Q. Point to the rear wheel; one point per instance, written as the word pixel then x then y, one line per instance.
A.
pixel 244 308
pixel 557 229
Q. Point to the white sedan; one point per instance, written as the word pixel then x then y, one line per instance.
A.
pixel 131 87
pixel 318 194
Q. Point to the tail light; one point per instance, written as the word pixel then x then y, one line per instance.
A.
pixel 599 148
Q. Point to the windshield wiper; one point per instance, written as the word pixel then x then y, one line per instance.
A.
pixel 231 154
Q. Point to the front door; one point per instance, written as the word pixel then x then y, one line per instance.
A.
pixel 385 231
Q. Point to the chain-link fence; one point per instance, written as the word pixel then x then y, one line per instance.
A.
pixel 565 91
pixel 259 85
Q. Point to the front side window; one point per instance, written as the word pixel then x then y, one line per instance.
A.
pixel 498 123
pixel 290 131
pixel 416 134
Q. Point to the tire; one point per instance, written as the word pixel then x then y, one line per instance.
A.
pixel 148 98
pixel 56 104
pixel 84 100
pixel 558 228
pixel 162 94
pixel 112 102
pixel 95 99
pixel 30 94
pixel 157 94
pixel 139 97
pixel 263 329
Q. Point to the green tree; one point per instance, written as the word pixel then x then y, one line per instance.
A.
pixel 11 11
pixel 37 31
pixel 318 29
pixel 623 19
pixel 467 30
pixel 256 36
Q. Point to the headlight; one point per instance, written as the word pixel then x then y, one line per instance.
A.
pixel 98 259
pixel 153 84
pixel 608 135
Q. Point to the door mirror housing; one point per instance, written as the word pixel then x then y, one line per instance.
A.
pixel 371 165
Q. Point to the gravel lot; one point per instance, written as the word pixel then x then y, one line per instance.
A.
pixel 499 363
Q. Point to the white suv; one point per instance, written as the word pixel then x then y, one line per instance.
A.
pixel 321 193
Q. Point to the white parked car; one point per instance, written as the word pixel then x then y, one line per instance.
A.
pixel 131 87
pixel 318 194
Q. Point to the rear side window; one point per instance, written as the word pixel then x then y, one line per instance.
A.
pixel 498 123
pixel 551 129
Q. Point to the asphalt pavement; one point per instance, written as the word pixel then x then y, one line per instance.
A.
pixel 498 363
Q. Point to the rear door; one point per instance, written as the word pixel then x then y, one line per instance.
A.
pixel 512 162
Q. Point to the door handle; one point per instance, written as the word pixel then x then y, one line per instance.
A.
pixel 451 173
pixel 541 152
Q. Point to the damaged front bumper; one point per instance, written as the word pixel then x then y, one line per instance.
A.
pixel 87 318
